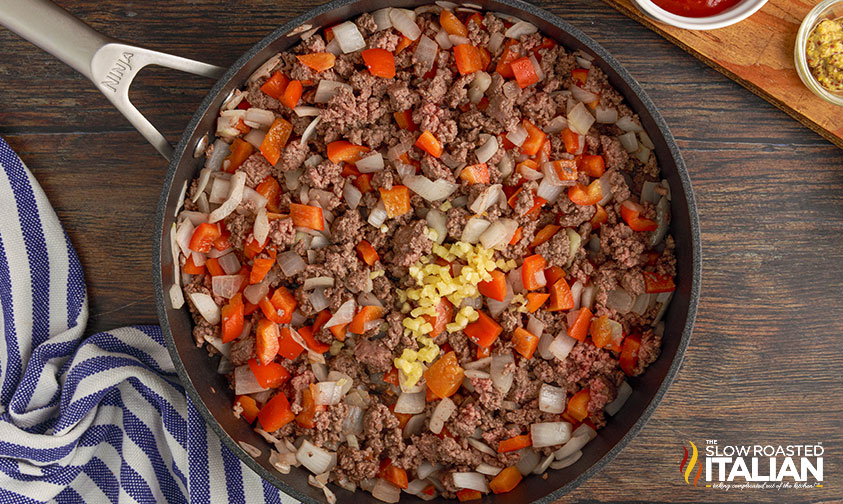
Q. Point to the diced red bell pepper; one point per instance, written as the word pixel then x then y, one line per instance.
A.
pixel 494 288
pixel 631 213
pixel 553 273
pixel 444 377
pixel 517 236
pixel 469 59
pixel 191 268
pixel 222 242
pixel 344 151
pixel 566 169
pixel 578 405
pixel 535 300
pixel 312 343
pixel 366 314
pixel 600 216
pixel 292 94
pixel 287 346
pixel 380 62
pixel 476 173
pixel 506 480
pixel 483 331
pixel 248 406
pixel 428 143
pixel 515 443
pixel 605 332
pixel 404 43
pixel 275 140
pixel 405 120
pixel 476 18
pixel 253 247
pixel 467 494
pixel 270 189
pixel 260 268
pixel 364 182
pixel 276 413
pixel 593 165
pixel 654 282
pixel 524 71
pixel 307 216
pixel 561 297
pixel 232 318
pixel 571 141
pixel 269 375
pixel 545 234
pixel 629 354
pixel 392 474
pixel 532 272
pixel 266 341
pixel 203 237
pixel 396 201
pixel 586 195
pixel 444 316
pixel 339 331
pixel 214 267
pixel 483 352
pixel 275 85
pixel 578 327
pixel 318 61
pixel 309 409
pixel 509 54
pixel 367 252
pixel 452 24
pixel 579 76
pixel 535 138
pixel 524 342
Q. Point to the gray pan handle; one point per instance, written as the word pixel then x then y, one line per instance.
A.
pixel 110 64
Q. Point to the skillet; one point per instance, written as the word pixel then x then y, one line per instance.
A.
pixel 112 65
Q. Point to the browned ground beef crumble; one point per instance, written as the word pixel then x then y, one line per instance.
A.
pixel 612 257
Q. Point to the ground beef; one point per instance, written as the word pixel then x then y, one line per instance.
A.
pixel 434 99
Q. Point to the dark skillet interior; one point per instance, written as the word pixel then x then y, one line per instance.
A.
pixel 209 391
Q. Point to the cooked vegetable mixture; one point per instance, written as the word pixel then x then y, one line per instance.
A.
pixel 430 246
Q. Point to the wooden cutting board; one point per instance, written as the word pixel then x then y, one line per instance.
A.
pixel 758 54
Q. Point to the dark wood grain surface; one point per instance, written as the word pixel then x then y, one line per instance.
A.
pixel 765 360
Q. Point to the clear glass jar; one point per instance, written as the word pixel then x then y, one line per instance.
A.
pixel 829 9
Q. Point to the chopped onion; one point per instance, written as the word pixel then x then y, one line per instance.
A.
pixel 626 123
pixel 245 381
pixel 485 468
pixel 514 279
pixel 459 201
pixel 624 391
pixel 642 154
pixel 549 434
pixel 581 95
pixel 543 465
pixel 318 299
pixel 383 490
pixel 184 233
pixel 576 292
pixel 425 53
pixel 489 148
pixel 261 228
pixel 428 189
pixel 206 307
pixel 574 445
pixel 528 461
pixel 227 122
pixel 327 89
pixel 443 40
pixel 198 258
pixel 381 17
pixel 437 221
pixel 548 190
pixel 580 119
pixel 535 326
pixel 352 195
pixel 537 67
pixel 255 137
pixel 473 229
pixel 220 152
pixel 557 124
pixel 306 111
pixel 529 173
pixel 343 315
pixel 291 263
pixel 353 422
pixel 416 486
pixel 562 345
pixel 176 296
pixel 583 63
pixel 370 163
pixel 315 459
pixel 589 292
pixel 426 469
pixel 414 425
pixel 230 264
pixel 662 219
pixel 544 346
pixel 517 135
pixel 495 42
pixel 378 215
pixel 584 430
pixel 314 282
pixel 326 393
pixel 458 40
pixel 502 381
pixel 235 195
pixel 471 481
pixel 440 415
pixel 641 303
pixel 520 28
pixel 410 403
pixel 479 363
pixel 310 130
pixel 488 197
pixel 226 286
pixel 259 118
pixel 619 300
pixel 499 233
pixel 256 292
pixel 552 399
pixel 368 299
pixel 606 115
pixel 333 47
pixel 197 218
pixel 567 461
pixel 348 37
pixel 404 24
pixel 648 192
pixel 645 140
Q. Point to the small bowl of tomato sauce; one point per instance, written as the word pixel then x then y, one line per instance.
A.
pixel 699 14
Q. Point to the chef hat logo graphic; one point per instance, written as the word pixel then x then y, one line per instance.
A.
pixel 686 470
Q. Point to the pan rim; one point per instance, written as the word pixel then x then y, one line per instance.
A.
pixel 181 150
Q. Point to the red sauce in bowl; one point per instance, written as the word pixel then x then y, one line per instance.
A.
pixel 696 8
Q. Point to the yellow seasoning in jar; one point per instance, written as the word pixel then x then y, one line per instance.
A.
pixel 824 52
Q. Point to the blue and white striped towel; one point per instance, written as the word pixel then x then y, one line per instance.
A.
pixel 100 419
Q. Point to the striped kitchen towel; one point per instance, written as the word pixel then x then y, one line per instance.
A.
pixel 99 419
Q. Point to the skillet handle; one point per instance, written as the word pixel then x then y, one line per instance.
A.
pixel 110 64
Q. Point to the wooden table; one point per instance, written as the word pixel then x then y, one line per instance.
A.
pixel 764 363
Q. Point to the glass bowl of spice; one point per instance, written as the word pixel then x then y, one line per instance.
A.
pixel 819 51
